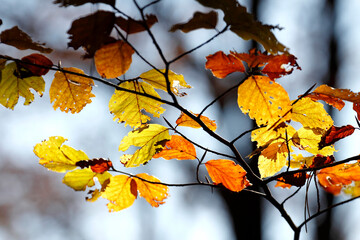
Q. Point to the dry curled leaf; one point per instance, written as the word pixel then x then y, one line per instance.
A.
pixel 199 20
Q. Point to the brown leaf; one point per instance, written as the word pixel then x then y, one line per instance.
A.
pixel 66 3
pixel 199 20
pixel 38 59
pixel 320 161
pixel 19 39
pixel 222 65
pixel 334 134
pixel 97 165
pixel 114 59
pixel 297 179
pixel 131 26
pixel 356 108
pixel 92 32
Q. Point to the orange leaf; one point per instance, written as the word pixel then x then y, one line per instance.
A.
pixel 227 173
pixel 39 59
pixel 178 148
pixel 222 65
pixel 71 92
pixel 332 179
pixel 131 26
pixel 356 107
pixel 99 165
pixel 154 193
pixel 185 121
pixel 334 134
pixel 297 179
pixel 114 59
pixel 333 101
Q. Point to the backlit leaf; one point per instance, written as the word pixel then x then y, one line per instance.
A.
pixel 99 165
pixel 66 3
pixel 297 179
pixel 311 114
pixel 79 179
pixel 58 157
pixel 128 107
pixel 157 80
pixel 155 194
pixel 178 148
pixel 274 161
pixel 114 59
pixel 244 24
pixel 38 59
pixel 333 179
pixel 131 26
pixel 264 100
pixel 12 86
pixel 71 92
pixel 227 173
pixel 308 139
pixel 334 134
pixel 222 65
pixel 17 38
pixel 150 139
pixel 267 135
pixel 199 20
pixel 121 192
pixel 185 121
pixel 92 32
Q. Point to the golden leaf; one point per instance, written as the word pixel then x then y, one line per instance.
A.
pixel 71 92
pixel 185 121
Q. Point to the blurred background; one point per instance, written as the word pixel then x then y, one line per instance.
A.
pixel 34 204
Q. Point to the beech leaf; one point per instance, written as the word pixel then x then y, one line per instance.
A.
pixel 17 38
pixel 38 59
pixel 131 26
pixel 99 165
pixel 297 179
pixel 222 65
pixel 185 121
pixel 178 148
pixel 114 59
pixel 71 92
pixel 199 20
pixel 12 86
pixel 227 173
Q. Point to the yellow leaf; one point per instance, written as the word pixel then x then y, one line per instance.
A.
pixel 298 161
pixel 71 92
pixel 178 148
pixel 57 157
pixel 227 173
pixel 79 179
pixel 266 135
pixel 157 80
pixel 309 141
pixel 268 167
pixel 185 121
pixel 311 114
pixel 155 194
pixel 354 190
pixel 121 193
pixel 151 140
pixel 265 100
pixel 114 59
pixel 127 107
pixel 12 86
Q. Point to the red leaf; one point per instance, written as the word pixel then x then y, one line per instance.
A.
pixel 321 160
pixel 335 134
pixel 356 107
pixel 99 165
pixel 39 59
pixel 222 65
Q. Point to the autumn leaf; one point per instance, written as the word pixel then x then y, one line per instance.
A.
pixel 269 166
pixel 17 38
pixel 128 107
pixel 334 134
pixel 12 86
pixel 71 92
pixel 66 3
pixel 334 96
pixel 131 26
pixel 150 139
pixel 58 157
pixel 287 181
pixel 185 121
pixel 114 59
pixel 157 80
pixel 79 179
pixel 222 65
pixel 99 165
pixel 178 148
pixel 266 135
pixel 311 114
pixel 333 179
pixel 356 108
pixel 199 20
pixel 92 32
pixel 155 194
pixel 227 173
pixel 320 161
pixel 245 26
pixel 38 59
pixel 121 192
pixel 264 100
